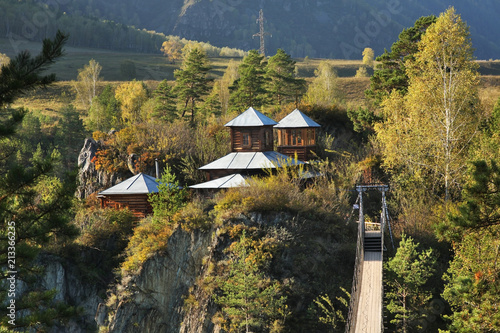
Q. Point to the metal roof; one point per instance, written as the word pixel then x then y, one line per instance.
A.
pixel 234 180
pixel 251 117
pixel 138 184
pixel 297 119
pixel 251 160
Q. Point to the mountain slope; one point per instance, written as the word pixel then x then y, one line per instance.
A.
pixel 314 28
pixel 317 28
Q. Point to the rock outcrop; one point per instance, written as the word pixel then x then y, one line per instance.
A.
pixel 90 179
pixel 154 298
pixel 66 279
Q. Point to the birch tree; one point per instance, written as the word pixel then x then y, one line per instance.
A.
pixel 88 80
pixel 323 90
pixel 429 130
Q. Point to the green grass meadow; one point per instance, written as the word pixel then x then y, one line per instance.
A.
pixel 153 68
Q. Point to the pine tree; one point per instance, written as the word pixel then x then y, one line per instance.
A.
pixel 71 135
pixel 407 273
pixel 23 73
pixel 472 286
pixel 34 204
pixel 249 90
pixel 282 84
pixel 165 102
pixel 248 299
pixel 192 82
pixel 170 197
pixel 391 73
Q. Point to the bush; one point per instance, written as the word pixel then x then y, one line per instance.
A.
pixel 106 228
pixel 148 238
pixel 195 215
pixel 286 191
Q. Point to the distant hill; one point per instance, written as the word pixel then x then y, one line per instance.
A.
pixel 316 28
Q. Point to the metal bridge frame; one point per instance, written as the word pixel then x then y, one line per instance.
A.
pixel 358 268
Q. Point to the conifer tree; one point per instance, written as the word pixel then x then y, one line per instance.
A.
pixel 407 273
pixel 249 90
pixel 282 84
pixel 472 286
pixel 165 102
pixel 248 300
pixel 34 204
pixel 192 81
pixel 391 73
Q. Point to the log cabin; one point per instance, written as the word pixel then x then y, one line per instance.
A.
pixel 132 193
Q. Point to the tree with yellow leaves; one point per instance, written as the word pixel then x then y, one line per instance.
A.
pixel 428 131
pixel 131 96
pixel 87 83
pixel 172 49
pixel 323 90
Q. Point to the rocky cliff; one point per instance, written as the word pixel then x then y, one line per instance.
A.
pixel 154 298
pixel 72 288
pixel 90 179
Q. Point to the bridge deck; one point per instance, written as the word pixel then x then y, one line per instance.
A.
pixel 369 318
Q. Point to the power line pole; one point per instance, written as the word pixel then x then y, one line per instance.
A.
pixel 261 33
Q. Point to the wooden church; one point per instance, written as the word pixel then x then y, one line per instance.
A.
pixel 252 148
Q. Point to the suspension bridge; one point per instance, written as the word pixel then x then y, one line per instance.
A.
pixel 367 294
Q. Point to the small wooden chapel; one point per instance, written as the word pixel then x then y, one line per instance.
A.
pixel 252 148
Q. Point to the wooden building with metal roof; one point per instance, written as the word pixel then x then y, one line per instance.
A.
pixel 297 136
pixel 132 193
pixel 251 131
pixel 252 148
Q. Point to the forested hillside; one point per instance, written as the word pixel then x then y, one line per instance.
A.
pixel 276 255
pixel 333 29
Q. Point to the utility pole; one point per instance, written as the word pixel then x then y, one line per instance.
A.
pixel 261 33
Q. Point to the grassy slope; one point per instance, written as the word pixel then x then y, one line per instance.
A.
pixel 153 68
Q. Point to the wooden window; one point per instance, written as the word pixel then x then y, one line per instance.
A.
pixel 267 136
pixel 296 137
pixel 247 140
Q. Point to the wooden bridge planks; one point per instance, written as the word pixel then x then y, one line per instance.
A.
pixel 369 317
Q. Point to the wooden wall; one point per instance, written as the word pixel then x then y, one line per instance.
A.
pixel 137 203
pixel 259 138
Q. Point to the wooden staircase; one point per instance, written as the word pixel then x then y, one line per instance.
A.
pixel 373 241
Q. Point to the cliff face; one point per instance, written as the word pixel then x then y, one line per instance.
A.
pixel 153 299
pixel 90 179
pixel 65 277
pixel 314 258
